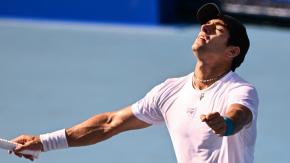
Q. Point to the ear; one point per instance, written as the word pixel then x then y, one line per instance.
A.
pixel 233 51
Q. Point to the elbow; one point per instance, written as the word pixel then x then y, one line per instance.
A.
pixel 242 118
pixel 92 131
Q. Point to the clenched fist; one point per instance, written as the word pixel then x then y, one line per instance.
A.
pixel 216 122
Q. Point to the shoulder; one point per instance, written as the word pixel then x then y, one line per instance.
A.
pixel 238 88
pixel 168 86
pixel 176 83
pixel 235 81
pixel 169 89
pixel 241 91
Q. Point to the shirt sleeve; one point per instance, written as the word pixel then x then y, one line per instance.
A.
pixel 147 108
pixel 247 96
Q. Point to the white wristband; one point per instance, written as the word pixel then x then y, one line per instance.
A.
pixel 54 140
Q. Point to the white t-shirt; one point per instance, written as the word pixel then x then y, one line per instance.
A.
pixel 179 105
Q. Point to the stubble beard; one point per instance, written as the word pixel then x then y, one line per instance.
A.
pixel 198 48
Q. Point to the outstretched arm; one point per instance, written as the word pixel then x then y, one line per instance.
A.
pixel 238 114
pixel 93 130
pixel 103 126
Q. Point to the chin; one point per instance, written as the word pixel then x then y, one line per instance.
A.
pixel 195 47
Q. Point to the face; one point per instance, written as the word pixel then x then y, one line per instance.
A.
pixel 211 40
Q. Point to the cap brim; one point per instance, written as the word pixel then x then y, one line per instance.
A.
pixel 207 12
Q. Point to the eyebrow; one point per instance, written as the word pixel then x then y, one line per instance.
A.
pixel 217 23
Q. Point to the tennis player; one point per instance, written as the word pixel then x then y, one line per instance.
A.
pixel 211 113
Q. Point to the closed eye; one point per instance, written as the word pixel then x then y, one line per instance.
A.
pixel 220 29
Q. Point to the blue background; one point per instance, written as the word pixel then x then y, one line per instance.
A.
pixel 117 11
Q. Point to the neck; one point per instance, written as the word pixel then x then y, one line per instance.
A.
pixel 206 75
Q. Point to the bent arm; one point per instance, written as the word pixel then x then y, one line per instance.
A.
pixel 237 113
pixel 103 126
pixel 240 115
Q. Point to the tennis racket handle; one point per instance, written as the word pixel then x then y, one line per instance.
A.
pixel 8 145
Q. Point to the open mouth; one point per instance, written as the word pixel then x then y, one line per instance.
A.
pixel 202 37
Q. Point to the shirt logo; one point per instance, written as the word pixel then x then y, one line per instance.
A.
pixel 191 111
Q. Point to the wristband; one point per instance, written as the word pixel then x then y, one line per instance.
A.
pixel 54 140
pixel 230 126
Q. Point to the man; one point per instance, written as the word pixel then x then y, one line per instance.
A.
pixel 211 113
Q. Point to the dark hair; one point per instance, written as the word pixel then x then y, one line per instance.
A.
pixel 237 31
pixel 238 60
pixel 237 37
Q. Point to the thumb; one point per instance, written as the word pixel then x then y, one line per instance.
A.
pixel 20 147
pixel 203 117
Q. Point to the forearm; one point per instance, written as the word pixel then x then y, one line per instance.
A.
pixel 232 122
pixel 91 131
pixel 240 116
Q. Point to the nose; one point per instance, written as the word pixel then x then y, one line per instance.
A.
pixel 207 28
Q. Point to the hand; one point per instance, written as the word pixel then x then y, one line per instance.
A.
pixel 27 142
pixel 216 122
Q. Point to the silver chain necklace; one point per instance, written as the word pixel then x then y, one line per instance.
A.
pixel 206 80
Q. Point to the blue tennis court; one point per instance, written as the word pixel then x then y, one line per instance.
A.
pixel 55 75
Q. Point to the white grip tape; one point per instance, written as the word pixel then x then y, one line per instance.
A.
pixel 8 145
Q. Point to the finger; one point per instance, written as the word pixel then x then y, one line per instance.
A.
pixel 214 121
pixel 20 139
pixel 19 148
pixel 31 145
pixel 203 118
pixel 212 115
pixel 220 131
pixel 31 158
pixel 217 126
pixel 18 154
